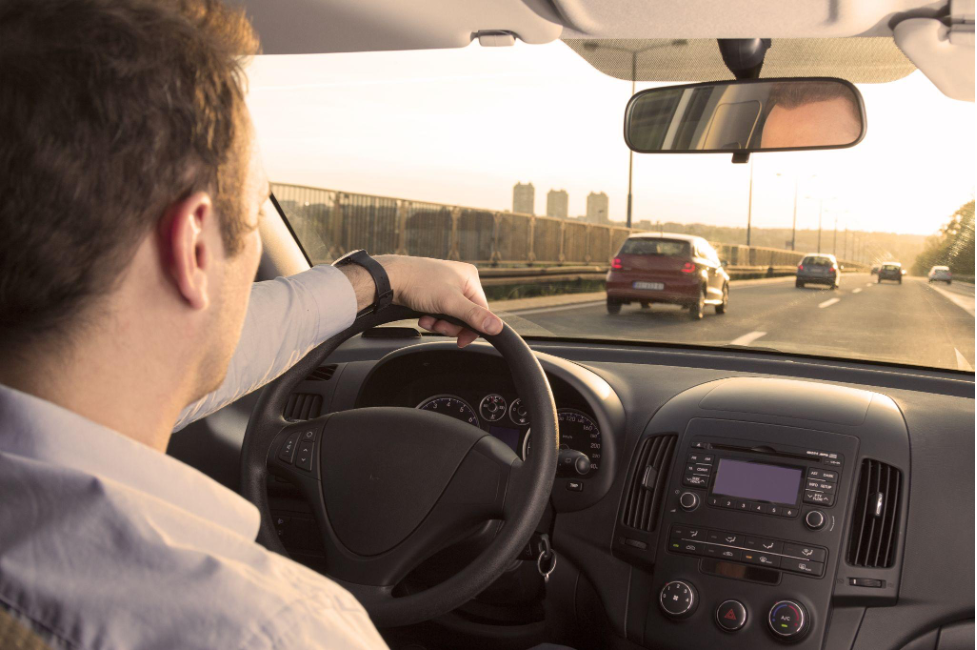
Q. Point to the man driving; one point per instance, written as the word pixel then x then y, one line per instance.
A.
pixel 132 195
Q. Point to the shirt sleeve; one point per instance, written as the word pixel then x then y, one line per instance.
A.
pixel 286 318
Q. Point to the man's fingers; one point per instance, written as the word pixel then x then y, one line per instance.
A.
pixel 466 337
pixel 478 317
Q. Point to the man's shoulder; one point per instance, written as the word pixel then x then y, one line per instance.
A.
pixel 102 565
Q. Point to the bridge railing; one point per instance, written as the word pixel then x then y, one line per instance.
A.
pixel 330 223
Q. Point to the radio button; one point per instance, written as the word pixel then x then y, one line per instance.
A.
pixel 823 486
pixel 699 457
pixel 834 462
pixel 805 552
pixel 756 507
pixel 739 504
pixel 822 474
pixel 788 512
pixel 726 502
pixel 714 501
pixel 695 480
pixel 802 566
pixel 770 509
pixel 819 498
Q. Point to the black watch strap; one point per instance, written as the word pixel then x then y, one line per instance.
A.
pixel 384 294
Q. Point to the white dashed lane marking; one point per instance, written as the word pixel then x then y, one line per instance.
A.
pixel 746 339
pixel 856 290
pixel 828 303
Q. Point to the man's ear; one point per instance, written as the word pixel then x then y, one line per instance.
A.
pixel 190 253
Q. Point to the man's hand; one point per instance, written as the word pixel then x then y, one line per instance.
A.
pixel 432 287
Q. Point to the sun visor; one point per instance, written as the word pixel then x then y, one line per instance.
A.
pixel 945 54
pixel 324 26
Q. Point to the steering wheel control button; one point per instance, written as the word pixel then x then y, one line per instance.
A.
pixel 788 619
pixel 678 599
pixel 731 615
pixel 287 452
pixel 689 501
pixel 814 520
pixel 304 459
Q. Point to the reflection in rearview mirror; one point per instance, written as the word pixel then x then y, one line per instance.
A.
pixel 746 115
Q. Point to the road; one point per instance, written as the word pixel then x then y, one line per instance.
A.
pixel 915 323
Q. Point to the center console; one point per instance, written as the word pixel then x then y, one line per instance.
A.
pixel 740 512
pixel 750 533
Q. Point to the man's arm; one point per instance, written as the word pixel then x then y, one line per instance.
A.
pixel 288 317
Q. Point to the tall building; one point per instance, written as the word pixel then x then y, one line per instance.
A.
pixel 557 203
pixel 524 198
pixel 597 210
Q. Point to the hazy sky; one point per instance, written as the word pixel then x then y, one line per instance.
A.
pixel 463 126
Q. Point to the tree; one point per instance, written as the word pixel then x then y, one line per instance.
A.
pixel 953 246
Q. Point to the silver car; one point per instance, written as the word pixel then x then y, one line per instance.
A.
pixel 940 274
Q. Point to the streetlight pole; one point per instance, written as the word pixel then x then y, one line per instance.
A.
pixel 793 228
pixel 634 78
pixel 820 213
pixel 834 242
pixel 749 207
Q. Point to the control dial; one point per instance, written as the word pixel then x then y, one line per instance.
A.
pixel 814 520
pixel 678 599
pixel 788 619
pixel 689 501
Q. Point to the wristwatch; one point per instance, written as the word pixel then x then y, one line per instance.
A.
pixel 384 294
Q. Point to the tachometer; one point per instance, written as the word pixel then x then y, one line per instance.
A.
pixel 450 405
pixel 579 434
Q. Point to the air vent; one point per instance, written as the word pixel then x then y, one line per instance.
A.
pixel 646 483
pixel 303 406
pixel 875 516
pixel 322 373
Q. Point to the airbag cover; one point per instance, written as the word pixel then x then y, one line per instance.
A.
pixel 383 470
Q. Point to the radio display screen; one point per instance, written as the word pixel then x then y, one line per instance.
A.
pixel 757 481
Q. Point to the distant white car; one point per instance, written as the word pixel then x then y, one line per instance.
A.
pixel 940 274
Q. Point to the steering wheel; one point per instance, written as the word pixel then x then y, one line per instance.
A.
pixel 391 486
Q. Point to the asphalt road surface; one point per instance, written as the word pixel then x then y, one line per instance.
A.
pixel 915 323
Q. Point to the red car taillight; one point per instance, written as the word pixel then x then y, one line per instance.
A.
pixel 800 267
pixel 834 269
pixel 689 267
pixel 616 263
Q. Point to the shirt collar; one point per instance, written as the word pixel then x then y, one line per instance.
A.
pixel 38 429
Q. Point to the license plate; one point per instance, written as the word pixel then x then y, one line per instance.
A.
pixel 650 286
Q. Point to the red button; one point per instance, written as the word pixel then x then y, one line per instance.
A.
pixel 731 615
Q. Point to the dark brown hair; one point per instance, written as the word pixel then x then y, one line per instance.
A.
pixel 110 111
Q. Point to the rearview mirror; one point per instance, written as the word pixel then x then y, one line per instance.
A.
pixel 746 116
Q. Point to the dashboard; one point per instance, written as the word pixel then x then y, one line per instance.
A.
pixel 735 500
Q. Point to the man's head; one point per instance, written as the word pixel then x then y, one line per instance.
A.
pixel 810 114
pixel 129 182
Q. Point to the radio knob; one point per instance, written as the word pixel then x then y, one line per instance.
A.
pixel 678 599
pixel 788 619
pixel 689 501
pixel 814 520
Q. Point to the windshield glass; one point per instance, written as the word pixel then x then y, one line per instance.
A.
pixel 513 159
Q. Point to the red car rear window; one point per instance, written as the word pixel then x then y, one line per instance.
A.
pixel 664 247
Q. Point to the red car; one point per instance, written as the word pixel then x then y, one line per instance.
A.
pixel 664 268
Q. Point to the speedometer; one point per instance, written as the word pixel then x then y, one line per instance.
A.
pixel 450 405
pixel 578 433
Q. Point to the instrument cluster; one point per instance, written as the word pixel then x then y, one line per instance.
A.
pixel 508 419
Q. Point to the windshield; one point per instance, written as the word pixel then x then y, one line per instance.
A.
pixel 513 159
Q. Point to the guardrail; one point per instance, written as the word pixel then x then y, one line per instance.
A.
pixel 330 223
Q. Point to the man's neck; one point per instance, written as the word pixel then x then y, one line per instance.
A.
pixel 103 379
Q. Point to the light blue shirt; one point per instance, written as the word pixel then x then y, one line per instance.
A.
pixel 107 543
